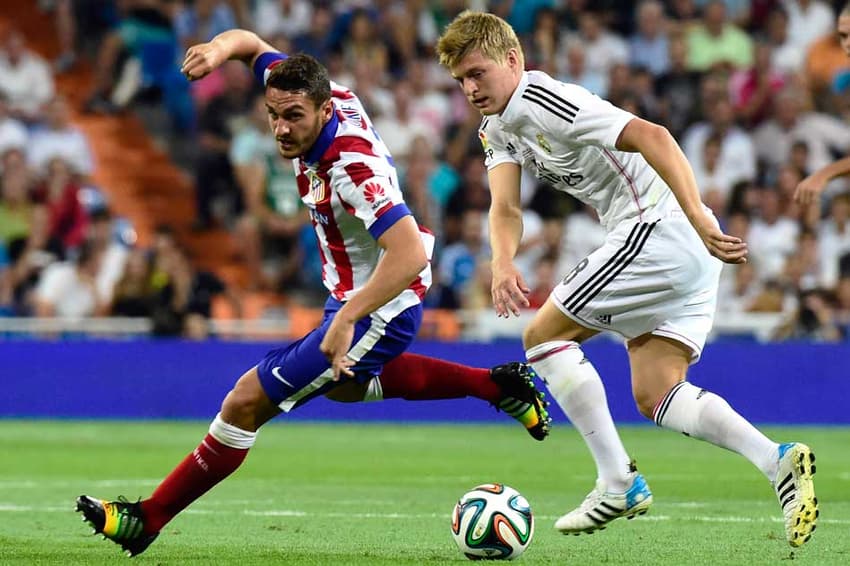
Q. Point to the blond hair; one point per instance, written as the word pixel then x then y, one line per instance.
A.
pixel 477 31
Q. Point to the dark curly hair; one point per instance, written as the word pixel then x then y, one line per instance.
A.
pixel 302 73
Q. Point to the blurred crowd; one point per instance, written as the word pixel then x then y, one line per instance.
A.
pixel 757 93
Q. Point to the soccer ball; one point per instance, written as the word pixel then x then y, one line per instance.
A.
pixel 492 522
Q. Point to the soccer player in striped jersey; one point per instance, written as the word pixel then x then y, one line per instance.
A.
pixel 654 280
pixel 376 268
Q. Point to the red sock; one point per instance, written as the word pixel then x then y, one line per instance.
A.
pixel 207 465
pixel 415 377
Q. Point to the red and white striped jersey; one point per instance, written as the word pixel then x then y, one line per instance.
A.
pixel 350 186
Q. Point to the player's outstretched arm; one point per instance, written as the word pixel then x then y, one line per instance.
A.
pixel 204 58
pixel 812 186
pixel 661 151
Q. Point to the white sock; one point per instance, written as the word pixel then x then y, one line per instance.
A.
pixel 230 435
pixel 573 382
pixel 704 415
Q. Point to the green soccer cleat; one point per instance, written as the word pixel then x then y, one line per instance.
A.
pixel 119 521
pixel 521 399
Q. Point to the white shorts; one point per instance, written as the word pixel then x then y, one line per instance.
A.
pixel 653 277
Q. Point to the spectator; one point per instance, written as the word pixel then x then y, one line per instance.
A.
pixel 814 319
pixel 603 49
pixel 145 45
pixel 737 155
pixel 267 232
pixel 786 57
pixel 60 139
pixel 101 236
pixel 545 41
pixel 315 40
pixel 772 237
pixel 362 43
pixel 399 129
pixel 213 172
pixel 459 261
pixel 289 17
pixel 822 133
pixel 13 133
pixel 201 20
pixel 738 289
pixel 649 46
pixel 68 290
pixel 67 219
pixel 576 70
pixel 429 105
pixel 420 187
pixel 808 20
pixel 834 238
pixel 133 293
pixel 825 63
pixel 678 90
pixel 754 90
pixel 712 179
pixel 25 78
pixel 717 42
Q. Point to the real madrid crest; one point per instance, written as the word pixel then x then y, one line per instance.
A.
pixel 544 145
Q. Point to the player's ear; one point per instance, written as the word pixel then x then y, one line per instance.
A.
pixel 326 109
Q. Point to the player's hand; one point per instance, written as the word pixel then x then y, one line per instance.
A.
pixel 729 249
pixel 809 189
pixel 508 289
pixel 335 346
pixel 203 59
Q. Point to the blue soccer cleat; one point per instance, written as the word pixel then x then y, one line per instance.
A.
pixel 601 506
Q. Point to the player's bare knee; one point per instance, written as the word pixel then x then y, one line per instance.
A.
pixel 645 401
pixel 246 406
pixel 531 337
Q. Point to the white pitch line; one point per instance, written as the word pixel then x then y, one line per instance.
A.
pixel 13 508
pixel 40 484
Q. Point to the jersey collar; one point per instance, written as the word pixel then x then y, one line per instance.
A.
pixel 513 109
pixel 323 142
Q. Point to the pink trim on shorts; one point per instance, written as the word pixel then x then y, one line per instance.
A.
pixel 697 351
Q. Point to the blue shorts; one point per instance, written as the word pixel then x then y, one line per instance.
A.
pixel 296 373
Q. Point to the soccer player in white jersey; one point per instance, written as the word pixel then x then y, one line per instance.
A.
pixel 376 268
pixel 809 189
pixel 654 280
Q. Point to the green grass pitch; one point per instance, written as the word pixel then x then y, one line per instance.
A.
pixel 345 493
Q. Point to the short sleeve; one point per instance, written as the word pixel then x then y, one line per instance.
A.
pixel 496 150
pixel 591 119
pixel 371 195
pixel 265 63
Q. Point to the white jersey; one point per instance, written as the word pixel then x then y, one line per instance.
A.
pixel 350 186
pixel 566 137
